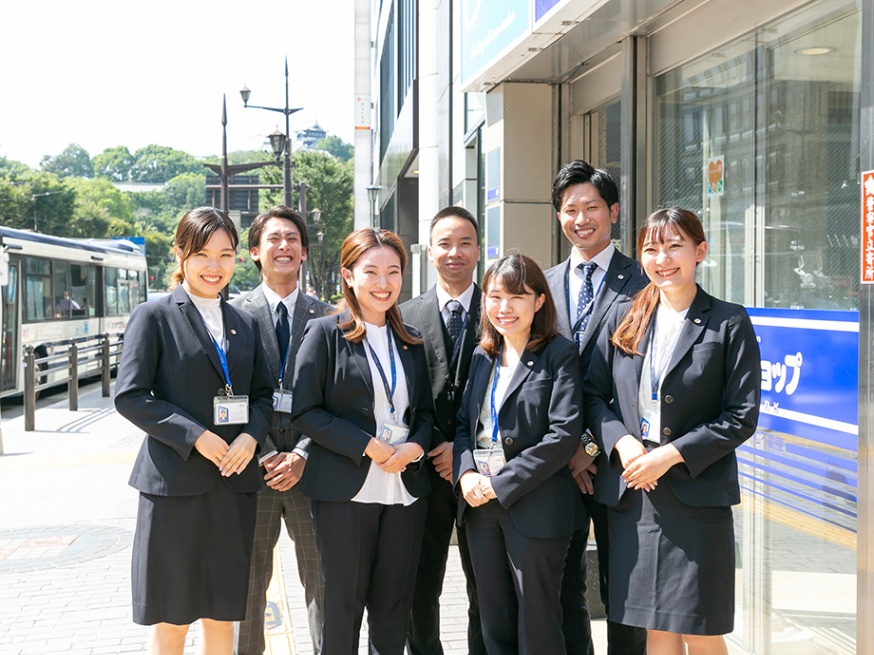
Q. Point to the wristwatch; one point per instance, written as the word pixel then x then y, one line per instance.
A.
pixel 589 444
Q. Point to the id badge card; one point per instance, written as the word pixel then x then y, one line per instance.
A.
pixel 646 433
pixel 393 434
pixel 282 401
pixel 489 460
pixel 230 410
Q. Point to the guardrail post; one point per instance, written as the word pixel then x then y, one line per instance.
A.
pixel 106 367
pixel 73 385
pixel 29 389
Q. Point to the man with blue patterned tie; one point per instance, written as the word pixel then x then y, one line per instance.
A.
pixel 585 286
pixel 278 244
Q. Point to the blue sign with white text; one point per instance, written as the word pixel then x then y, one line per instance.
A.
pixel 488 27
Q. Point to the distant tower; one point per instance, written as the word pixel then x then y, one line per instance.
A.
pixel 308 138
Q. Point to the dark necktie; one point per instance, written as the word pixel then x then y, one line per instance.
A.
pixel 584 301
pixel 455 322
pixel 282 332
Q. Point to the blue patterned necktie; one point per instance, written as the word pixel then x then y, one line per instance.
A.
pixel 282 332
pixel 454 324
pixel 584 301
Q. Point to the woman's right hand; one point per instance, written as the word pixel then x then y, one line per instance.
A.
pixel 378 450
pixel 629 449
pixel 472 489
pixel 211 446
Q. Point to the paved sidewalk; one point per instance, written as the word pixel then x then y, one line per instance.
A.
pixel 67 517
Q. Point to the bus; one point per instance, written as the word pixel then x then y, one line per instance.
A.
pixel 55 289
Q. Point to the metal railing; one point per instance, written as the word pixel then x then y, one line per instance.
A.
pixel 85 357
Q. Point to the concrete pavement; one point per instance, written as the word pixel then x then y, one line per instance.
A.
pixel 67 517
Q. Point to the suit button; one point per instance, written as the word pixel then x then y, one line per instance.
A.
pixel 509 441
pixel 669 399
pixel 449 421
pixel 282 430
pixel 666 432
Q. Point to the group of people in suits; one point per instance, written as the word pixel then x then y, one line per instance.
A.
pixel 601 391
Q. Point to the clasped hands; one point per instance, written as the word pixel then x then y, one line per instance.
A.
pixel 393 459
pixel 643 469
pixel 229 459
pixel 476 488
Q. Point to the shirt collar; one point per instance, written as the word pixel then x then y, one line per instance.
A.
pixel 464 298
pixel 602 259
pixel 273 299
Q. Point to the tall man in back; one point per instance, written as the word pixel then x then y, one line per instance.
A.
pixel 448 316
pixel 585 286
pixel 278 244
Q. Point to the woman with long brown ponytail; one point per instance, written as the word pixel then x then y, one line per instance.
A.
pixel 671 392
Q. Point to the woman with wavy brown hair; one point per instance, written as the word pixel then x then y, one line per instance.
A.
pixel 362 394
pixel 672 390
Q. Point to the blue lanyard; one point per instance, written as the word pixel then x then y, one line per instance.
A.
pixel 655 378
pixel 389 391
pixel 224 361
pixel 282 366
pixel 494 409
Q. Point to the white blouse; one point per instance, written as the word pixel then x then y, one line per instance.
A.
pixel 379 486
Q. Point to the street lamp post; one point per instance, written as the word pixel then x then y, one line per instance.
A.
pixel 279 142
pixel 373 196
pixel 226 171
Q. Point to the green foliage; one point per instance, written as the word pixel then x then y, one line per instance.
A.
pixel 159 258
pixel 246 275
pixel 10 167
pixel 100 209
pixel 337 147
pixel 159 164
pixel 241 157
pixel 74 161
pixel 185 191
pixel 114 164
pixel 38 200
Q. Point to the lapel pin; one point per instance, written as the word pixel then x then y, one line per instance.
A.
pixel 312 311
pixel 697 320
pixel 233 331
pixel 405 347
pixel 621 277
pixel 531 363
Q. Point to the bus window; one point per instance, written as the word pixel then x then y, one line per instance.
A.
pixel 83 281
pixel 66 305
pixel 38 301
pixel 110 293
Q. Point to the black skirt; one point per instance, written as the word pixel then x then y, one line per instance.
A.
pixel 191 556
pixel 672 566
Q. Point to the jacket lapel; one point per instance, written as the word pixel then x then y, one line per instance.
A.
pixel 558 286
pixel 523 369
pixel 617 277
pixel 260 308
pixel 432 329
pixel 406 357
pixel 233 335
pixel 189 311
pixel 302 313
pixel 693 326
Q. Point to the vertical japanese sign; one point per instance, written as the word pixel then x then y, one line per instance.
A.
pixel 868 227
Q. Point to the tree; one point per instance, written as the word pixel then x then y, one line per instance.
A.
pixel 337 147
pixel 159 164
pixel 159 258
pixel 74 161
pixel 10 167
pixel 101 210
pixel 329 182
pixel 114 164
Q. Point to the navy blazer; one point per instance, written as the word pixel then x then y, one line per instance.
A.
pixel 423 312
pixel 709 402
pixel 333 405
pixel 284 437
pixel 622 281
pixel 167 379
pixel 541 423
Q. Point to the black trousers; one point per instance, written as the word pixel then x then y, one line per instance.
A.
pixel 519 584
pixel 423 636
pixel 369 556
pixel 621 639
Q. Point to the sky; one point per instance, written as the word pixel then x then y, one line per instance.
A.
pixel 106 73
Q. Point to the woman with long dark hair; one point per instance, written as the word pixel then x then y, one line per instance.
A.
pixel 362 394
pixel 672 390
pixel 193 377
pixel 519 424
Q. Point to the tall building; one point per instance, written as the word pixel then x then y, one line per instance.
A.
pixel 758 116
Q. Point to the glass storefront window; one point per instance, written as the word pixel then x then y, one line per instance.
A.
pixel 761 139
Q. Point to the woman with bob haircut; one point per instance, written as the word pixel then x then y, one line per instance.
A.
pixel 519 424
pixel 672 390
pixel 193 378
pixel 363 395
